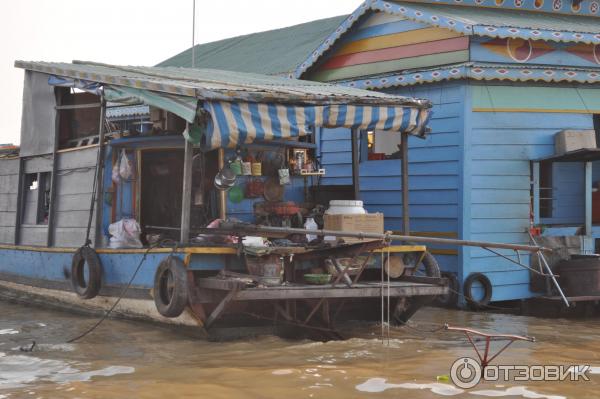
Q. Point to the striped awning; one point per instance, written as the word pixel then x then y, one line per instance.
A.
pixel 232 124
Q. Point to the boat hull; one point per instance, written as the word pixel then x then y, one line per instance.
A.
pixel 38 275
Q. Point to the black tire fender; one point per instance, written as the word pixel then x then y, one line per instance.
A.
pixel 468 286
pixel 90 288
pixel 432 268
pixel 406 307
pixel 171 287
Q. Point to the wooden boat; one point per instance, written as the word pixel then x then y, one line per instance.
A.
pixel 66 185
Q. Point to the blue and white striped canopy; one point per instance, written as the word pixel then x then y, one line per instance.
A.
pixel 236 123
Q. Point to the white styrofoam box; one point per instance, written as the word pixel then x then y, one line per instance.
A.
pixel 571 140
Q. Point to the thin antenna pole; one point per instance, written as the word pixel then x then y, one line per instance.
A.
pixel 193 33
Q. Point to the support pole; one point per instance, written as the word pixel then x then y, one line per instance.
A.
pixel 588 199
pixel 186 198
pixel 246 229
pixel 355 164
pixel 222 194
pixel 405 200
pixel 100 177
pixel 53 181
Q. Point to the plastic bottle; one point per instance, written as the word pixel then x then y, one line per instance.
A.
pixel 310 224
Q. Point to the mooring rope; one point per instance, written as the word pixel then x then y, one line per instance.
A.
pixel 123 291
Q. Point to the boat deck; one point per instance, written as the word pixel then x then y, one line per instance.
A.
pixel 368 289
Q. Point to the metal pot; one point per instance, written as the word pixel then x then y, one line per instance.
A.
pixel 225 179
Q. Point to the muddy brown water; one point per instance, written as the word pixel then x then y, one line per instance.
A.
pixel 124 359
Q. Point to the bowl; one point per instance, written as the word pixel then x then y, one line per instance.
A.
pixel 317 279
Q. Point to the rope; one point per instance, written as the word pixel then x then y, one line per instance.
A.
pixel 123 291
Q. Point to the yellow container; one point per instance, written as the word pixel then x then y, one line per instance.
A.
pixel 256 169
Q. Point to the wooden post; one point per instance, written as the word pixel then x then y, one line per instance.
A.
pixel 536 192
pixel 355 164
pixel 53 181
pixel 588 199
pixel 186 199
pixel 405 200
pixel 99 176
pixel 222 194
pixel 20 202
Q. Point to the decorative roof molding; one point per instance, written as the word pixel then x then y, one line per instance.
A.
pixel 520 73
pixel 417 13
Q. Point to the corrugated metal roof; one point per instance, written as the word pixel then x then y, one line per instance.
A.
pixel 274 52
pixel 481 16
pixel 211 84
pixel 126 111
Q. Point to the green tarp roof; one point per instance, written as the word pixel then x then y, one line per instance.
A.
pixel 274 52
pixel 216 85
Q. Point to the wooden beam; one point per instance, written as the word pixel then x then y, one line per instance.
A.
pixel 220 308
pixel 405 199
pixel 372 290
pixel 186 200
pixel 79 106
pixel 355 164
pixel 53 181
pixel 588 199
pixel 20 202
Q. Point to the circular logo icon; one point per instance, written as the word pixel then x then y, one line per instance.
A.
pixel 465 373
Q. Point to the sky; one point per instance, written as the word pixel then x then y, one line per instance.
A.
pixel 128 32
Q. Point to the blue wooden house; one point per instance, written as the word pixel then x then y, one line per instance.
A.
pixel 505 76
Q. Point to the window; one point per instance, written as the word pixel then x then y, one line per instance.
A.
pixel 78 117
pixel 383 145
pixel 36 198
pixel 546 193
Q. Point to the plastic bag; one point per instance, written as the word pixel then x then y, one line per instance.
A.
pixel 115 174
pixel 125 234
pixel 125 168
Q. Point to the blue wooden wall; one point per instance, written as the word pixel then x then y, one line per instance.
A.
pixel 434 171
pixel 501 145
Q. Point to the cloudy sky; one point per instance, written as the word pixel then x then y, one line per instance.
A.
pixel 132 32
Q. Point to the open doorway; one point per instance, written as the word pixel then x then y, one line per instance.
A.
pixel 161 190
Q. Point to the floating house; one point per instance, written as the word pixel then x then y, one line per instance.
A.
pixel 504 78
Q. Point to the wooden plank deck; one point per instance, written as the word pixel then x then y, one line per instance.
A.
pixel 303 291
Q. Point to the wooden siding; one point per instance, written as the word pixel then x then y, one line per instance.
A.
pixel 9 185
pixel 501 147
pixel 527 99
pixel 434 171
pixel 384 43
pixel 75 175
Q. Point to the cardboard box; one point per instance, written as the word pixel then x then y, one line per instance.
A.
pixel 571 140
pixel 367 223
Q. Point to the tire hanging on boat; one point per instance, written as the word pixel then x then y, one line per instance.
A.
pixel 86 287
pixel 171 287
pixel 468 290
pixel 406 307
